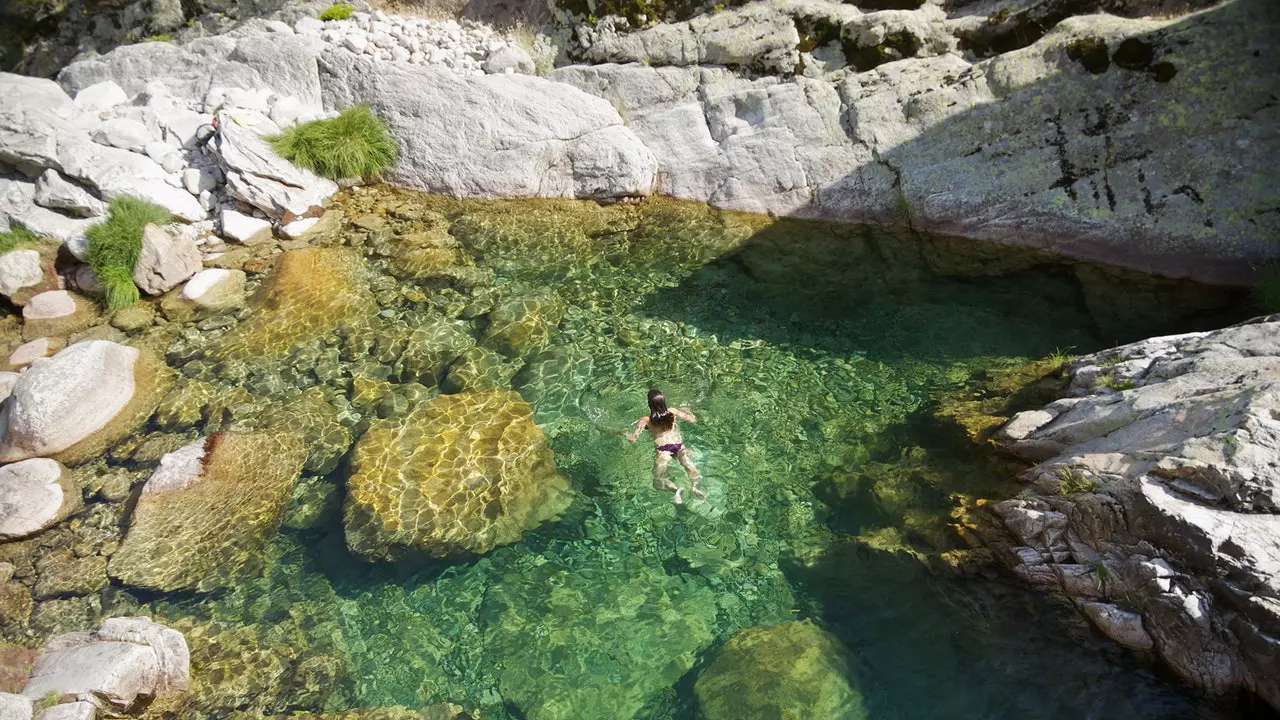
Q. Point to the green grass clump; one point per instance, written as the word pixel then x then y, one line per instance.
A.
pixel 354 144
pixel 1266 291
pixel 16 235
pixel 162 37
pixel 1071 481
pixel 337 11
pixel 114 247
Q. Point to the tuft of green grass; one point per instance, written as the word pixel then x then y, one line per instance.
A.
pixel 354 144
pixel 1058 358
pixel 162 37
pixel 1071 481
pixel 337 11
pixel 49 700
pixel 1118 384
pixel 16 235
pixel 114 247
pixel 1266 291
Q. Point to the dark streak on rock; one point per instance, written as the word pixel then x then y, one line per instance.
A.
pixel 1189 192
pixel 1059 142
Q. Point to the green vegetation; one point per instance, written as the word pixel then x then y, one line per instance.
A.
pixel 1266 291
pixel 1111 381
pixel 337 11
pixel 354 144
pixel 16 235
pixel 1073 481
pixel 114 247
pixel 1057 359
pixel 49 700
pixel 1099 570
pixel 161 37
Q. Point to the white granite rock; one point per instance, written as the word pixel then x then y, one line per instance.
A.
pixel 215 289
pixel 19 269
pixel 29 352
pixel 100 96
pixel 35 494
pixel 117 172
pixel 510 58
pixel 64 399
pixel 51 304
pixel 244 228
pixel 57 193
pixel 298 228
pixel 34 122
pixel 15 707
pixel 261 178
pixel 165 262
pixel 79 710
pixel 123 133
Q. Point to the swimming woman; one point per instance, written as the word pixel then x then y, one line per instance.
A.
pixel 667 444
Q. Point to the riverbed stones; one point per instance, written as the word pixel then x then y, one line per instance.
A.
pixel 1164 464
pixel 126 659
pixel 455 475
pixel 29 352
pixel 205 513
pixel 522 324
pixel 35 494
pixel 794 669
pixel 166 261
pixel 311 292
pixel 76 404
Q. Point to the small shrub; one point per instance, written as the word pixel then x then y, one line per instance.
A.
pixel 354 144
pixel 114 247
pixel 1057 359
pixel 162 37
pixel 337 11
pixel 1266 291
pixel 49 700
pixel 1071 481
pixel 16 235
pixel 1118 384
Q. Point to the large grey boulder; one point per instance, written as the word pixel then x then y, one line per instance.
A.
pixel 116 172
pixel 165 262
pixel 494 136
pixel 34 122
pixel 1159 472
pixel 1158 162
pixel 57 193
pixel 125 660
pixel 35 494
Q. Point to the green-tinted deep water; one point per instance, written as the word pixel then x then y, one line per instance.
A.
pixel 814 357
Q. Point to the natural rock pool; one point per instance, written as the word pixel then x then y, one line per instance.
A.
pixel 824 362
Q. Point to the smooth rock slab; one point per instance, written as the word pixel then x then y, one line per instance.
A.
pixel 35 494
pixel 215 289
pixel 56 193
pixel 204 515
pixel 80 710
pixel 1121 625
pixel 99 97
pixel 77 403
pixel 56 312
pixel 15 707
pixel 244 228
pixel 117 672
pixel 29 352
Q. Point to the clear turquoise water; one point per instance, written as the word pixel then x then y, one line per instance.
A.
pixel 813 356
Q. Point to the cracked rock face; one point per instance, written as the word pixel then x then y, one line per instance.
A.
pixel 1156 500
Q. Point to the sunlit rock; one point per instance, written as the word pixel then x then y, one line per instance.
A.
pixel 459 474
pixel 523 324
pixel 203 517
pixel 35 494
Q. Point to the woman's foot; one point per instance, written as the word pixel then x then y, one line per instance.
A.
pixel 677 499
pixel 701 495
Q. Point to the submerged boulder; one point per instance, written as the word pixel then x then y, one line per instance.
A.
pixel 458 474
pixel 56 312
pixel 791 670
pixel 311 292
pixel 206 512
pixel 523 324
pixel 76 404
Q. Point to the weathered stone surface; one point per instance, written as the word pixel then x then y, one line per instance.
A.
pixel 458 474
pixel 1170 446
pixel 261 178
pixel 215 289
pixel 15 707
pixel 166 261
pixel 54 192
pixel 511 58
pixel 117 172
pixel 79 710
pixel 100 96
pixel 123 133
pixel 203 517
pixel 244 228
pixel 795 669
pixel 35 494
pixel 1091 165
pixel 519 136
pixel 311 292
pixel 125 660
pixel 20 269
pixel 29 352
pixel 34 122
pixel 81 401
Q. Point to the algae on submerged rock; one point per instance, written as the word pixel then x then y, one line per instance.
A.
pixel 207 511
pixel 458 474
pixel 792 670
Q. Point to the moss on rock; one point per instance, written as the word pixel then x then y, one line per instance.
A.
pixel 458 474
pixel 792 670
pixel 205 528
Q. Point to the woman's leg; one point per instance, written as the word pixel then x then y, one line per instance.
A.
pixel 660 481
pixel 686 459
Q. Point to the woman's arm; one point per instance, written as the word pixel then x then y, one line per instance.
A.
pixel 639 427
pixel 684 415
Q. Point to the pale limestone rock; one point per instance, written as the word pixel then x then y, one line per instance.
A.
pixel 510 58
pixel 64 399
pixel 20 269
pixel 117 172
pixel 259 177
pixel 15 707
pixel 215 289
pixel 166 261
pixel 29 352
pixel 49 305
pixel 54 192
pixel 244 228
pixel 79 710
pixel 100 96
pixel 123 133
pixel 35 494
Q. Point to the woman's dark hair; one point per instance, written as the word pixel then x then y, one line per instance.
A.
pixel 659 416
